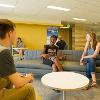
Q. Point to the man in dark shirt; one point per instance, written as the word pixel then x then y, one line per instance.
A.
pixel 50 55
pixel 13 85
pixel 61 44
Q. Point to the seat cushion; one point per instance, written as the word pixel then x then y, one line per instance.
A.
pixel 72 66
pixel 36 64
pixel 98 69
pixel 75 66
pixel 33 70
pixel 98 63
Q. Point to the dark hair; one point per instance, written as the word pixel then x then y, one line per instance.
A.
pixel 19 39
pixel 5 27
pixel 54 36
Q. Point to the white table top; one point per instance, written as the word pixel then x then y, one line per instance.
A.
pixel 65 80
pixel 20 48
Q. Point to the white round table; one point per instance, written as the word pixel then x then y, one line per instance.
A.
pixel 65 81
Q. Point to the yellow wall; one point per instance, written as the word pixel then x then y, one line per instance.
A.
pixel 33 36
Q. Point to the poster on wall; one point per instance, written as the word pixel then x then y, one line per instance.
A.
pixel 51 31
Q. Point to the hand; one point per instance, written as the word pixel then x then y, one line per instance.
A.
pixel 30 77
pixel 44 55
pixel 41 56
pixel 81 61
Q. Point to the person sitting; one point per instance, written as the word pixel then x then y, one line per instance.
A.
pixel 91 51
pixel 61 44
pixel 51 55
pixel 13 85
pixel 20 44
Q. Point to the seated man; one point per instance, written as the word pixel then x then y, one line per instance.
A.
pixel 13 85
pixel 50 55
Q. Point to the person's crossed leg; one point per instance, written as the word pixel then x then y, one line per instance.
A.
pixel 24 93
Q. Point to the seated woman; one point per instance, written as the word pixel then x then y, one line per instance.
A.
pixel 20 44
pixel 91 50
pixel 50 55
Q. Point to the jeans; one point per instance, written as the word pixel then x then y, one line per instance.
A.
pixel 90 67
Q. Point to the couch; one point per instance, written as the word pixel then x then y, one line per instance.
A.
pixel 33 63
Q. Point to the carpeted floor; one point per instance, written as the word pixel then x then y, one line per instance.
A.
pixel 48 94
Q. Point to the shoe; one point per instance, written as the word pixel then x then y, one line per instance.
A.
pixel 94 84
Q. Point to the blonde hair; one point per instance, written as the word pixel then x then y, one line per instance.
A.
pixel 93 42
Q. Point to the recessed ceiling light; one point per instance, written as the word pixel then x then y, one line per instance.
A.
pixel 79 19
pixel 64 27
pixel 5 5
pixel 58 8
pixel 68 26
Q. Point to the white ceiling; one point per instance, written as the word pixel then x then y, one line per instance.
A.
pixel 35 11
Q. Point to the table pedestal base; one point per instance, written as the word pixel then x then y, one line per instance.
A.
pixel 63 95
